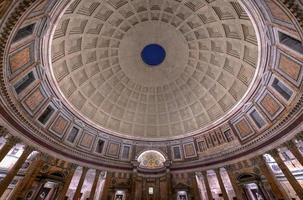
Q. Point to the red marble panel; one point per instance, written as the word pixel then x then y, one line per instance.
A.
pixel 34 100
pixel 20 59
pixel 243 128
pixel 290 67
pixel 59 126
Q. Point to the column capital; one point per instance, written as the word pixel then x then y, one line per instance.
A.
pixel 259 159
pixel 12 140
pixel 204 173
pixel 3 131
pixel 29 149
pixel 290 144
pixel 228 168
pixel 217 170
pixel 73 166
pixel 85 169
pixel 44 157
pixel 274 153
pixel 299 136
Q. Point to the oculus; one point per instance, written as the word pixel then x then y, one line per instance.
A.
pixel 153 54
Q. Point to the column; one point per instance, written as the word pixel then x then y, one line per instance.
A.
pixel 233 180
pixel 31 173
pixel 67 181
pixel 80 184
pixel 94 187
pixel 271 179
pixel 206 183
pixel 292 147
pixel 195 187
pixel 169 183
pixel 106 186
pixel 291 179
pixel 14 170
pixel 10 142
pixel 133 185
pixel 223 190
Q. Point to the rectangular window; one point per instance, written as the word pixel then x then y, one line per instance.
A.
pixel 177 153
pixel 46 114
pixel 24 82
pixel 24 32
pixel 291 42
pixel 282 89
pixel 99 147
pixel 73 135
pixel 125 152
pixel 257 119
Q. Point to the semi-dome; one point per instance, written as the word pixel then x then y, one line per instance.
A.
pixel 204 55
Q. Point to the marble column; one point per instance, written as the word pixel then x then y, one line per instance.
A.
pixel 31 173
pixel 222 187
pixel 14 170
pixel 106 187
pixel 94 187
pixel 233 180
pixel 196 191
pixel 169 183
pixel 67 181
pixel 80 184
pixel 10 142
pixel 133 185
pixel 275 185
pixel 207 187
pixel 291 179
pixel 292 147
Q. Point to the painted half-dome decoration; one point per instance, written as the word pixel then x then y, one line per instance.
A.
pixel 151 159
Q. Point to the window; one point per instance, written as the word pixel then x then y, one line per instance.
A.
pixel 177 154
pixel 282 89
pixel 257 119
pixel 46 114
pixel 291 42
pixel 24 32
pixel 150 190
pixel 100 145
pixel 24 82
pixel 73 135
pixel 125 152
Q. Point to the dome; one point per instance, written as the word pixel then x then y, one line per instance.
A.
pixel 208 58
pixel 151 99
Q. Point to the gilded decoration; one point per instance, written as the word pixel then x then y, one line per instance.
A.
pixel 151 160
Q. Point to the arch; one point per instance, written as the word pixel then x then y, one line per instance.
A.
pixel 151 159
